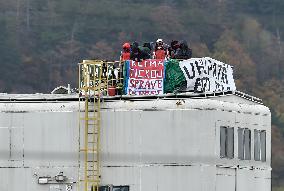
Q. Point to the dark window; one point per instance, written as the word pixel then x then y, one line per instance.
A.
pixel 259 145
pixel 223 142
pixel 120 188
pixel 241 144
pixel 244 144
pixel 113 188
pixel 263 145
pixel 256 145
pixel 247 144
pixel 227 142
pixel 102 188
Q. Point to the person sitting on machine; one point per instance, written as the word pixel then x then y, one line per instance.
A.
pixel 125 53
pixel 173 48
pixel 146 51
pixel 136 53
pixel 160 50
pixel 183 52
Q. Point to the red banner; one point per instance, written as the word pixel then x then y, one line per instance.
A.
pixel 145 77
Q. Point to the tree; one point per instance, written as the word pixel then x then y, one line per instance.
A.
pixel 229 50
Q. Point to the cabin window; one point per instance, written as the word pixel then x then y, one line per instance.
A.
pixel 227 142
pixel 259 145
pixel 263 145
pixel 113 188
pixel 244 144
pixel 120 188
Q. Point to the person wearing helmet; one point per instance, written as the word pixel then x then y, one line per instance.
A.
pixel 125 53
pixel 160 50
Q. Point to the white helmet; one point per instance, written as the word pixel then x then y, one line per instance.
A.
pixel 159 40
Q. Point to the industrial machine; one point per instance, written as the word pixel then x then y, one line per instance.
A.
pixel 218 141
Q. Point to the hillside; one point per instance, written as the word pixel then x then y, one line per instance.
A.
pixel 42 41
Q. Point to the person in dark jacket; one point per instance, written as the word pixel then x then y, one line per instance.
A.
pixel 146 51
pixel 136 53
pixel 173 48
pixel 139 53
pixel 183 52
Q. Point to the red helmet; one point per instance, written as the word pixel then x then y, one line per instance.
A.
pixel 126 45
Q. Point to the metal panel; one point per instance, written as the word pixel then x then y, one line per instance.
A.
pixel 262 180
pixel 4 145
pixel 5 139
pixel 11 140
pixel 225 179
pixel 61 187
pixel 262 184
pixel 245 180
pixel 248 179
pixel 51 139
pixel 161 177
pixel 13 179
pixel 17 144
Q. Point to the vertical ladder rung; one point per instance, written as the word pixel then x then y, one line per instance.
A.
pixel 92 133
pixel 91 161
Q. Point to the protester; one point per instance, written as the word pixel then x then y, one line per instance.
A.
pixel 176 50
pixel 125 53
pixel 173 49
pixel 135 52
pixel 139 53
pixel 160 50
pixel 183 52
pixel 146 51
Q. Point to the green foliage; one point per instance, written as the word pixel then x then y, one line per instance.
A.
pixel 278 189
pixel 9 59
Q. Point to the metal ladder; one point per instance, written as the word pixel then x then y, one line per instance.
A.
pixel 90 82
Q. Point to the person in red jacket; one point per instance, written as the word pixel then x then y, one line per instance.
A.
pixel 160 50
pixel 125 53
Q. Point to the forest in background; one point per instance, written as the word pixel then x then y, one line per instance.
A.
pixel 41 42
